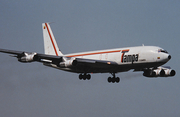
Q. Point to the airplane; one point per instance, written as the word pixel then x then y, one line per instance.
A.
pixel 148 59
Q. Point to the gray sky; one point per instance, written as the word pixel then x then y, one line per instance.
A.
pixel 28 90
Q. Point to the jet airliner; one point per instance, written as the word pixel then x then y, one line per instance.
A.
pixel 148 59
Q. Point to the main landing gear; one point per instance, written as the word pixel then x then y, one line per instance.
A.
pixel 110 79
pixel 85 76
pixel 113 79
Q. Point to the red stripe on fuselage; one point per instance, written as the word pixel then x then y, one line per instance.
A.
pixel 85 54
pixel 51 39
pixel 127 50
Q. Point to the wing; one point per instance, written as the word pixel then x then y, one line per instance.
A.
pixel 32 56
pixel 61 61
pixel 95 66
pixel 11 51
pixel 95 63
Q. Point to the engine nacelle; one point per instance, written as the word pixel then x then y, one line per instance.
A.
pixel 27 57
pixel 159 72
pixel 169 72
pixel 149 73
pixel 68 63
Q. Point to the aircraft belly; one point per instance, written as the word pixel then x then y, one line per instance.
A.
pixel 108 69
pixel 115 69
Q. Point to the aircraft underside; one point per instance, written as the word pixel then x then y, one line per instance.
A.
pixel 111 69
pixel 84 71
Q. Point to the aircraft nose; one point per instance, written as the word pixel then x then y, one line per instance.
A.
pixel 169 57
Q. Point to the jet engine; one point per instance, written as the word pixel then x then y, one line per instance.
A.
pixel 149 73
pixel 159 72
pixel 169 72
pixel 26 57
pixel 68 63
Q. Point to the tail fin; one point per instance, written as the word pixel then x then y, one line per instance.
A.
pixel 50 45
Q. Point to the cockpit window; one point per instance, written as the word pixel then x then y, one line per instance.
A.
pixel 161 50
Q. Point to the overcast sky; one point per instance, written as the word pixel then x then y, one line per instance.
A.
pixel 34 90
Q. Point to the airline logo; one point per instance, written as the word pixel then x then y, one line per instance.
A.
pixel 129 58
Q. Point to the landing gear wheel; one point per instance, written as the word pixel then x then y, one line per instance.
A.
pixel 113 80
pixel 88 76
pixel 80 77
pixel 109 79
pixel 84 77
pixel 117 80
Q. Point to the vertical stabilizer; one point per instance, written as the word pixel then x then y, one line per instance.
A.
pixel 50 45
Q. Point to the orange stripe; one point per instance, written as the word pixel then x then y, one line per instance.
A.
pixel 51 39
pixel 94 53
pixel 125 50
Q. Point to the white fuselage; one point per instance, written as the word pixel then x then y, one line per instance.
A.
pixel 126 58
pixel 139 54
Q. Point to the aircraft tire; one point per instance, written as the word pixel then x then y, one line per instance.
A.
pixel 88 77
pixel 109 79
pixel 117 80
pixel 80 76
pixel 84 77
pixel 113 80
